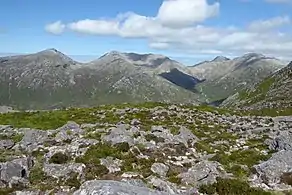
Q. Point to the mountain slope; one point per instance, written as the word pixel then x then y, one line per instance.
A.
pixel 49 79
pixel 273 92
pixel 227 77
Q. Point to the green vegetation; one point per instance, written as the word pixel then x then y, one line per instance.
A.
pixel 231 187
pixel 258 94
pixel 59 158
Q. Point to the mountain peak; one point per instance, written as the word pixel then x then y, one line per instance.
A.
pixel 253 55
pixel 220 59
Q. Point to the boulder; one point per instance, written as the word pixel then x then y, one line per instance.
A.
pixel 119 134
pixel 204 172
pixel 63 170
pixel 108 187
pixel 270 171
pixel 283 141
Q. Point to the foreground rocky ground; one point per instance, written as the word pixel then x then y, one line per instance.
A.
pixel 155 149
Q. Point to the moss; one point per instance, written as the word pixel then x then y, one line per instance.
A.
pixel 151 137
pixel 123 147
pixel 6 191
pixel 202 146
pixel 59 158
pixel 72 180
pixel 175 179
pixel 238 171
pixel 287 178
pixel 232 187
pixel 244 157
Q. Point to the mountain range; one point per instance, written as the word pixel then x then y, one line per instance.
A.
pixel 49 79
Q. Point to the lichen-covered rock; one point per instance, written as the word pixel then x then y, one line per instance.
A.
pixel 18 168
pixel 63 170
pixel 270 171
pixel 68 131
pixel 6 144
pixel 113 165
pixel 32 139
pixel 102 187
pixel 283 141
pixel 163 186
pixel 119 134
pixel 204 172
pixel 160 169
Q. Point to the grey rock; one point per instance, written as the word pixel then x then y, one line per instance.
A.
pixel 135 122
pixel 119 134
pixel 36 192
pixel 16 168
pixel 270 171
pixel 102 187
pixel 160 169
pixel 63 170
pixel 113 165
pixel 282 142
pixel 19 182
pixel 204 172
pixel 185 135
pixel 32 139
pixel 163 186
pixel 68 131
pixel 6 144
pixel 135 182
pixel 6 109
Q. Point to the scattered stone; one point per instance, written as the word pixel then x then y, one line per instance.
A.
pixel 113 165
pixel 160 169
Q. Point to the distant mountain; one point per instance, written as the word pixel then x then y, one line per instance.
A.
pixel 181 79
pixel 273 92
pixel 225 77
pixel 50 79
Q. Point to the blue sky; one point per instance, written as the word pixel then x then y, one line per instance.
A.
pixel 187 30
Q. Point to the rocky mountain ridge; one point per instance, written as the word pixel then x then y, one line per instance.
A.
pixel 224 78
pixel 49 75
pixel 272 93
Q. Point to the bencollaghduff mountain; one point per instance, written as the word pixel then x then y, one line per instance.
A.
pixel 49 79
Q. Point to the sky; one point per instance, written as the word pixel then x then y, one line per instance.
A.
pixel 187 30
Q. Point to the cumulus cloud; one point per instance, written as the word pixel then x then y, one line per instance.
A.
pixel 98 27
pixel 177 13
pixel 55 28
pixel 263 25
pixel 187 33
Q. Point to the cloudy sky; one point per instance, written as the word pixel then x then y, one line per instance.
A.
pixel 188 30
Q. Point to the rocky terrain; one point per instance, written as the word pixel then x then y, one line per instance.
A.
pixel 118 77
pixel 225 77
pixel 271 95
pixel 27 80
pixel 157 149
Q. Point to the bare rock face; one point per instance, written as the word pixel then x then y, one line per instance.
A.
pixel 100 187
pixel 272 172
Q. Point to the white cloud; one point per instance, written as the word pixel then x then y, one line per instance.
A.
pixel 262 36
pixel 98 27
pixel 263 25
pixel 178 13
pixel 55 28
